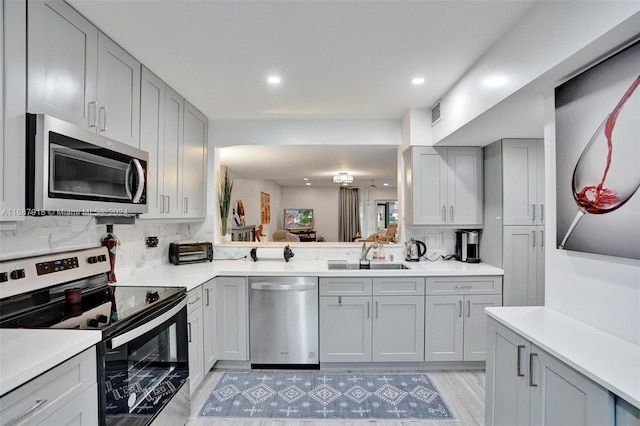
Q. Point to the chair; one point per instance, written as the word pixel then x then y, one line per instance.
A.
pixel 389 235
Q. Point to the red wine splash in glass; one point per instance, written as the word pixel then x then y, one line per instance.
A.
pixel 597 188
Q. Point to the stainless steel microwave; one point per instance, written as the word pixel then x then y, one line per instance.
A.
pixel 71 170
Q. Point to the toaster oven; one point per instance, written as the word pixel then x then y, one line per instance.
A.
pixel 190 251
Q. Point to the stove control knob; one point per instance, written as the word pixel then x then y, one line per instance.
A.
pixel 92 259
pixel 4 277
pixel 152 296
pixel 102 318
pixel 102 258
pixel 92 322
pixel 17 274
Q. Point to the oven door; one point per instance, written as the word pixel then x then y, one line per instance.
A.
pixel 81 172
pixel 145 370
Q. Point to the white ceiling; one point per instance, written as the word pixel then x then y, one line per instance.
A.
pixel 337 59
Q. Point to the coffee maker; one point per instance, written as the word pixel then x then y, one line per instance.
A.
pixel 468 246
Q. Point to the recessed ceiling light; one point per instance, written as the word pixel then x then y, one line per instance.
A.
pixel 305 178
pixel 274 80
pixel 308 183
pixel 417 80
pixel 385 184
pixel 345 184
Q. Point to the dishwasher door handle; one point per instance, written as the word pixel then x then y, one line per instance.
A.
pixel 282 287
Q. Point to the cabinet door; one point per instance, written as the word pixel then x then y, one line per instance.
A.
pixel 118 93
pixel 444 328
pixel 398 328
pixel 540 182
pixel 507 385
pixel 194 162
pixel 562 396
pixel 429 184
pixel 82 410
pixel 172 154
pixel 520 167
pixel 196 354
pixel 209 325
pixel 520 265
pixel 475 325
pixel 232 321
pixel 465 186
pixel 152 138
pixel 13 62
pixel 345 329
pixel 62 63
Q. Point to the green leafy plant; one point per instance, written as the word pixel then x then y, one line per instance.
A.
pixel 225 186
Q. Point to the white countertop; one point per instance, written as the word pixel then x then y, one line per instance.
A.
pixel 192 275
pixel 25 354
pixel 610 361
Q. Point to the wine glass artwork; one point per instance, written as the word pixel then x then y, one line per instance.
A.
pixel 607 173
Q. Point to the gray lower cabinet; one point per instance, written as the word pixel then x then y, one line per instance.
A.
pixel 527 386
pixel 232 318
pixel 66 394
pixel 210 346
pixel 196 338
pixel 360 319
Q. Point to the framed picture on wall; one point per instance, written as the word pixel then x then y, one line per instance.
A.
pixel 597 117
pixel 265 208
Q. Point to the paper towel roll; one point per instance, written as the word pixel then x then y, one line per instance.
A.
pixel 271 253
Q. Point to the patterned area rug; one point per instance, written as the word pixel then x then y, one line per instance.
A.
pixel 318 395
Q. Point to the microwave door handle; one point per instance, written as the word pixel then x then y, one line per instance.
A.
pixel 141 182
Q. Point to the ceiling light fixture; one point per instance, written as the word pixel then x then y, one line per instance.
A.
pixel 308 183
pixel 274 80
pixel 417 80
pixel 343 178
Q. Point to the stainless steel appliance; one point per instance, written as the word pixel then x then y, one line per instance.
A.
pixel 71 170
pixel 143 356
pixel 190 251
pixel 468 246
pixel 414 250
pixel 283 321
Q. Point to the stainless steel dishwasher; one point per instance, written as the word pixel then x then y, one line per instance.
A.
pixel 283 321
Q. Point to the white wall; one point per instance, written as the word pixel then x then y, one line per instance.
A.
pixel 249 191
pixel 600 290
pixel 323 201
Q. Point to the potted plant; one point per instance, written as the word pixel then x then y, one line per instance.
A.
pixel 225 186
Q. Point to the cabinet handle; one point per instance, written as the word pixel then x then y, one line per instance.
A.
pixel 541 213
pixel 161 203
pixel 468 308
pixel 460 308
pixel 531 355
pixel 35 407
pixel 103 128
pixel 451 213
pixel 189 331
pixel 541 238
pixel 186 205
pixel 533 212
pixel 195 301
pixel 368 309
pixel 462 286
pixel 168 203
pixel 207 293
pixel 444 213
pixel 533 238
pixel 519 370
pixel 340 303
pixel 377 310
pixel 92 114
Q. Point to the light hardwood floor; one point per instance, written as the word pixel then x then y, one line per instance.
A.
pixel 463 390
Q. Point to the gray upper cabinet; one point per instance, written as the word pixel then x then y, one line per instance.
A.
pixel 79 75
pixel 444 186
pixel 194 162
pixel 118 93
pixel 523 179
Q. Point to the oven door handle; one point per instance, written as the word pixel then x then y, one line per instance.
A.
pixel 147 326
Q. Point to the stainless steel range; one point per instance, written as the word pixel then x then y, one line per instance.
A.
pixel 143 356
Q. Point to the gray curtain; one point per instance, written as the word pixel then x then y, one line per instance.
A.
pixel 349 219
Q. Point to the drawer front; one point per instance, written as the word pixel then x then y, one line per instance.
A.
pixel 346 286
pixel 194 299
pixel 41 397
pixel 464 285
pixel 392 286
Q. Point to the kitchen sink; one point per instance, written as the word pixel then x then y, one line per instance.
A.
pixel 355 266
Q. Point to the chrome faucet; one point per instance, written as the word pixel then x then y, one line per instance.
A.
pixel 365 250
